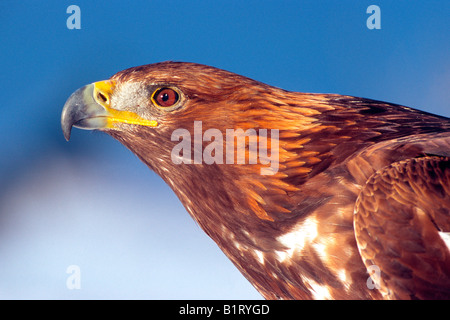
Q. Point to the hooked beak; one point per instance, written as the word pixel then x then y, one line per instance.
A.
pixel 90 108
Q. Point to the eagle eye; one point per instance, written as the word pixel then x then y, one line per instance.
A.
pixel 165 97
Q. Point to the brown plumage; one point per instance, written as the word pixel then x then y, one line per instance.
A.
pixel 360 186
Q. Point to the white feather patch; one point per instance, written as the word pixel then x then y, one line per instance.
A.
pixel 446 237
pixel 295 240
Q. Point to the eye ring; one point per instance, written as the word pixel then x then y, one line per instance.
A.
pixel 165 97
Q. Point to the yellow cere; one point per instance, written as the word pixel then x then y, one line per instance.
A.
pixel 102 94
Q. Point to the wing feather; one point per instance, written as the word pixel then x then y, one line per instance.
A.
pixel 400 215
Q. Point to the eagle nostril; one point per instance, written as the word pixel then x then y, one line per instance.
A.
pixel 102 97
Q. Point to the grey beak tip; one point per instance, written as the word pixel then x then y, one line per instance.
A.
pixel 82 111
pixel 66 122
pixel 72 111
pixel 67 135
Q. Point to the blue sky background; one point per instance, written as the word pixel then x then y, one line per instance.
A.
pixel 92 203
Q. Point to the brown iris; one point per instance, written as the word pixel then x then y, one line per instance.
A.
pixel 166 97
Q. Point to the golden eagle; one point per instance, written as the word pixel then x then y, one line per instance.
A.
pixel 311 196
